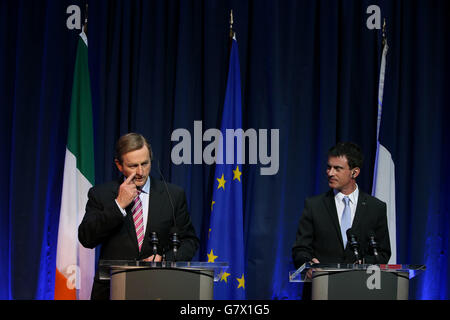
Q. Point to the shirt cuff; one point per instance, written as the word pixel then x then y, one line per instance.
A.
pixel 120 208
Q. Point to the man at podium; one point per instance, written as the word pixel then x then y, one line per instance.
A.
pixel 125 214
pixel 344 211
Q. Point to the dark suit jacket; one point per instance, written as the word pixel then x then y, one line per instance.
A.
pixel 319 234
pixel 104 224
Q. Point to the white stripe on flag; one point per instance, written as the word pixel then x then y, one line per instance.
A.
pixel 384 189
pixel 71 255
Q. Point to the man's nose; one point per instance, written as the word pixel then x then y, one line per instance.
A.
pixel 139 170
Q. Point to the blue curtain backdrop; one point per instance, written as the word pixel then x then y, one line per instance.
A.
pixel 308 68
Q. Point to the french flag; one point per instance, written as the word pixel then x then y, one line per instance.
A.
pixel 384 172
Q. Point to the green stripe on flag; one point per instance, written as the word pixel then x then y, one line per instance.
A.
pixel 80 140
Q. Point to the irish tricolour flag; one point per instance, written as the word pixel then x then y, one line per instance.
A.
pixel 74 263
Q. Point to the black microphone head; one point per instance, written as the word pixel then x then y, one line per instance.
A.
pixel 353 242
pixel 351 238
pixel 373 245
pixel 154 241
pixel 372 240
pixel 153 236
pixel 175 239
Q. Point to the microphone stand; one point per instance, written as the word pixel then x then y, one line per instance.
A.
pixel 175 245
pixel 373 245
pixel 354 245
pixel 155 242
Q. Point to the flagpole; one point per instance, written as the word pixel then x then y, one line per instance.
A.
pixel 232 33
pixel 85 26
pixel 384 50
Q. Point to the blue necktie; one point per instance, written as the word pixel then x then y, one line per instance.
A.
pixel 346 221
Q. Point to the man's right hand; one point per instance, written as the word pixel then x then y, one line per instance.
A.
pixel 127 192
pixel 310 271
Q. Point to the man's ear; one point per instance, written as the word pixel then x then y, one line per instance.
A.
pixel 355 172
pixel 118 165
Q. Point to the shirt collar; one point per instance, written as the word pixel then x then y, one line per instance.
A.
pixel 146 187
pixel 353 196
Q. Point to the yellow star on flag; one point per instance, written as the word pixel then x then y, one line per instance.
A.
pixel 212 204
pixel 211 256
pixel 241 282
pixel 224 277
pixel 237 174
pixel 221 182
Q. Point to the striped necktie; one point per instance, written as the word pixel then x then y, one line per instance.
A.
pixel 346 221
pixel 138 219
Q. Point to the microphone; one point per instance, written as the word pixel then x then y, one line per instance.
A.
pixel 175 242
pixel 174 230
pixel 373 245
pixel 154 241
pixel 354 244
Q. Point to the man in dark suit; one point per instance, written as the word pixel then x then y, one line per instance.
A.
pixel 121 215
pixel 321 235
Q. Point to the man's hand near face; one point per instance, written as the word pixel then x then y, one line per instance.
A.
pixel 127 192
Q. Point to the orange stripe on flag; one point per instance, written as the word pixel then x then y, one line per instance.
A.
pixel 62 292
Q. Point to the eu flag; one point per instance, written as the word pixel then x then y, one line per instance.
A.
pixel 226 235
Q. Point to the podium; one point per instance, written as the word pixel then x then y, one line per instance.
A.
pixel 140 280
pixel 357 281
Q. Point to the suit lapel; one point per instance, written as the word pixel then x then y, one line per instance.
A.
pixel 361 208
pixel 332 212
pixel 131 228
